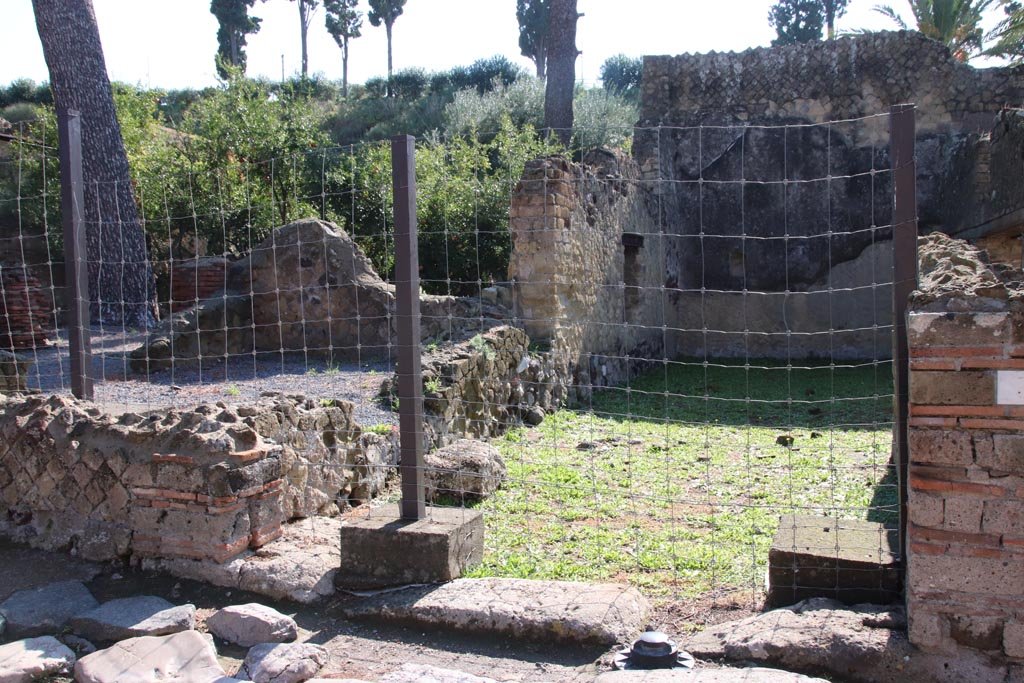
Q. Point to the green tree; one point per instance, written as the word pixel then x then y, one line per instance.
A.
pixel 1009 35
pixel 235 24
pixel 386 12
pixel 796 21
pixel 306 10
pixel 955 23
pixel 620 75
pixel 532 16
pixel 833 9
pixel 344 22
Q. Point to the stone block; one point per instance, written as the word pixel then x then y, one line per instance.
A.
pixel 963 514
pixel 980 575
pixel 941 447
pixel 385 550
pixel 952 388
pixel 979 633
pixel 847 560
pixel 926 510
pixel 1004 517
pixel 1006 454
pixel 1013 639
pixel 958 329
pixel 928 631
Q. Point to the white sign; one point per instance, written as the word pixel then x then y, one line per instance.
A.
pixel 1010 387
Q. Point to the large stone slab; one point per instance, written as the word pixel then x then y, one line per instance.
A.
pixel 144 615
pixel 34 658
pixel 46 609
pixel 848 560
pixel 464 470
pixel 252 624
pixel 424 673
pixel 861 644
pixel 284 662
pixel 747 675
pixel 602 614
pixel 386 550
pixel 185 657
pixel 299 566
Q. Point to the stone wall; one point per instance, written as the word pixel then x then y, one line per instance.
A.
pixel 965 565
pixel 481 387
pixel 587 266
pixel 200 484
pixel 771 231
pixel 196 279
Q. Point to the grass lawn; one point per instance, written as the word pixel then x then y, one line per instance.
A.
pixel 676 483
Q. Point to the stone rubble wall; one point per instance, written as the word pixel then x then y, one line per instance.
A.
pixel 202 484
pixel 482 387
pixel 965 565
pixel 853 76
pixel 587 266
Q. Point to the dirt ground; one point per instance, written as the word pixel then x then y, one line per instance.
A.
pixel 357 650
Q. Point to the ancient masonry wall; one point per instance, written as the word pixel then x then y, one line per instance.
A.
pixel 208 483
pixel 587 266
pixel 965 567
pixel 481 387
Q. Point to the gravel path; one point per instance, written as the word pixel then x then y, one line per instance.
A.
pixel 238 381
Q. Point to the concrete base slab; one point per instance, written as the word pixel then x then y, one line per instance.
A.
pixel 602 614
pixel 385 550
pixel 299 566
pixel 821 557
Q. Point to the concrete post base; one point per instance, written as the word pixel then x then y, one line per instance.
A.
pixel 385 550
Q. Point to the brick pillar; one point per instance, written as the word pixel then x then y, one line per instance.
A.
pixel 541 214
pixel 965 565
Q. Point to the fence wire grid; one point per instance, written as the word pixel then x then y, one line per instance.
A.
pixel 669 352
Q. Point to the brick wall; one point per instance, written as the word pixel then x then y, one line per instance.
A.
pixel 197 279
pixel 965 567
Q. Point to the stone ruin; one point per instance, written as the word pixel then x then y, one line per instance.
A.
pixel 308 288
pixel 205 484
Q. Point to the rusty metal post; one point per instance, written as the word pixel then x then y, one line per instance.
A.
pixel 904 251
pixel 407 291
pixel 76 290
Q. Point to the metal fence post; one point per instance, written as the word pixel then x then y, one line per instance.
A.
pixel 407 290
pixel 904 246
pixel 76 291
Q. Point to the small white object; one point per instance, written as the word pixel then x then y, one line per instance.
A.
pixel 1010 387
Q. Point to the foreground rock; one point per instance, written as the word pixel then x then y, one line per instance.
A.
pixel 298 566
pixel 602 614
pixel 145 615
pixel 424 673
pixel 45 610
pixel 284 663
pixel 183 657
pixel 464 470
pixel 34 658
pixel 862 643
pixel 252 624
pixel 750 675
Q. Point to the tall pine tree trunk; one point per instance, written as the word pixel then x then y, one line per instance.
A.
pixel 561 65
pixel 387 29
pixel 120 278
pixel 344 68
pixel 304 31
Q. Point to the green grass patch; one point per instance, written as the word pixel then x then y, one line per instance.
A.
pixel 675 483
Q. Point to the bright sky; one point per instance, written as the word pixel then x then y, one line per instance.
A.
pixel 171 43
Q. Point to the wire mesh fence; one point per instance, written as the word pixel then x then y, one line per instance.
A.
pixel 667 351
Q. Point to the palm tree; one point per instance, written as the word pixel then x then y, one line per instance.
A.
pixel 955 23
pixel 1009 35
